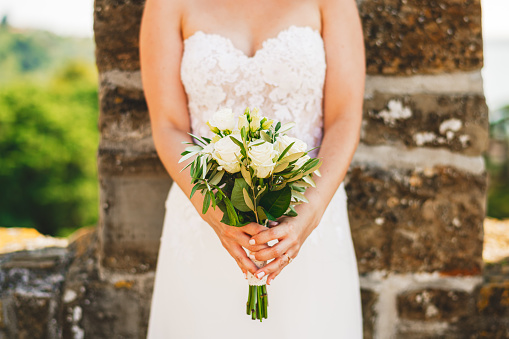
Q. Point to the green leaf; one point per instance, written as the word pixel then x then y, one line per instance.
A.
pixel 286 127
pixel 265 136
pixel 291 212
pixel 261 213
pixel 285 151
pixel 299 196
pixel 237 197
pixel 293 157
pixel 195 148
pixel 281 167
pixel 206 203
pixel 217 178
pixel 309 180
pixel 245 174
pixel 195 188
pixel 297 177
pixel 187 156
pixel 247 199
pixel 198 138
pixel 314 168
pixel 238 143
pixel 186 166
pixel 276 202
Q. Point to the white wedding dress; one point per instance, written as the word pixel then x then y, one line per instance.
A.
pixel 199 290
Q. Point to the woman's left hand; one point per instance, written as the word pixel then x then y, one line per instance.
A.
pixel 291 232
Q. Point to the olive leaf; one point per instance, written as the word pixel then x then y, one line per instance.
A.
pixel 217 178
pixel 281 167
pixel 247 200
pixel 293 157
pixel 245 174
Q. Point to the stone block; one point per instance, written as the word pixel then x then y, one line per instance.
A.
pixel 401 37
pixel 369 315
pixel 116 32
pixel 432 304
pixel 493 300
pixel 423 36
pixel 133 189
pixel 33 315
pixel 124 114
pixel 416 220
pixel 455 122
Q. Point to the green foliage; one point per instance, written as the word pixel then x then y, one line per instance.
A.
pixel 36 55
pixel 498 169
pixel 48 143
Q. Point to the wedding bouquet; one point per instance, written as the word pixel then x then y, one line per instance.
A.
pixel 253 172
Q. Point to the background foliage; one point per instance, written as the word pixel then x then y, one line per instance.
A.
pixel 48 131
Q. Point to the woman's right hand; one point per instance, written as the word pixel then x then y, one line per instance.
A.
pixel 235 239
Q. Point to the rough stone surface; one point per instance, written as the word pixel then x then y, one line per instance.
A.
pixel 455 122
pixel 434 304
pixel 423 36
pixel 369 300
pixel 116 32
pixel 133 190
pixel 124 114
pixel 30 283
pixel 401 37
pixel 416 220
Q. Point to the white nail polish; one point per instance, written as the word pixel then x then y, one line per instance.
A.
pixel 252 257
pixel 260 275
pixel 252 242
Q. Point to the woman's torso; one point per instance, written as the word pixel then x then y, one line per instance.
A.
pixel 282 75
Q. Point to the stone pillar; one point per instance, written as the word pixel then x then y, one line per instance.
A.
pixel 416 187
pixel 133 182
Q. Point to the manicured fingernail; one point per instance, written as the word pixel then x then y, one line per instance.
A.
pixel 260 275
pixel 252 242
pixel 251 256
pixel 245 275
pixel 268 281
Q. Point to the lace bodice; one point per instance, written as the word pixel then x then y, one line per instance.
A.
pixel 284 79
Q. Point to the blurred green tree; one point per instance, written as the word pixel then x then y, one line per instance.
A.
pixel 48 143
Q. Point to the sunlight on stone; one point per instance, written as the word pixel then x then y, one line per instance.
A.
pixel 18 239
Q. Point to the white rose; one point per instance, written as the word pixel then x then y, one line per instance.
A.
pixel 226 153
pixel 301 161
pixel 282 142
pixel 208 149
pixel 262 156
pixel 222 120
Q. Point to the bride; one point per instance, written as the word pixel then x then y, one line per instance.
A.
pixel 296 60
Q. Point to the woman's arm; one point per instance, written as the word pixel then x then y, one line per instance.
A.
pixel 161 48
pixel 343 99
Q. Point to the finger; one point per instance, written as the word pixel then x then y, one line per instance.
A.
pixel 238 253
pixel 273 252
pixel 253 228
pixel 274 267
pixel 243 240
pixel 270 234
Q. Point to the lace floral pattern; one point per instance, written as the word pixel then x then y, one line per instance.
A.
pixel 284 79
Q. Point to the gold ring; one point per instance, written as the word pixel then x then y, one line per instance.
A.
pixel 289 259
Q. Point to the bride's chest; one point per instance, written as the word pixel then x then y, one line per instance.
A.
pixel 294 59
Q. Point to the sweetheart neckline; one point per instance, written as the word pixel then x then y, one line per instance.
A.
pixel 264 43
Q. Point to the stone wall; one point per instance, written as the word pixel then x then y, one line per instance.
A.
pixel 416 187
